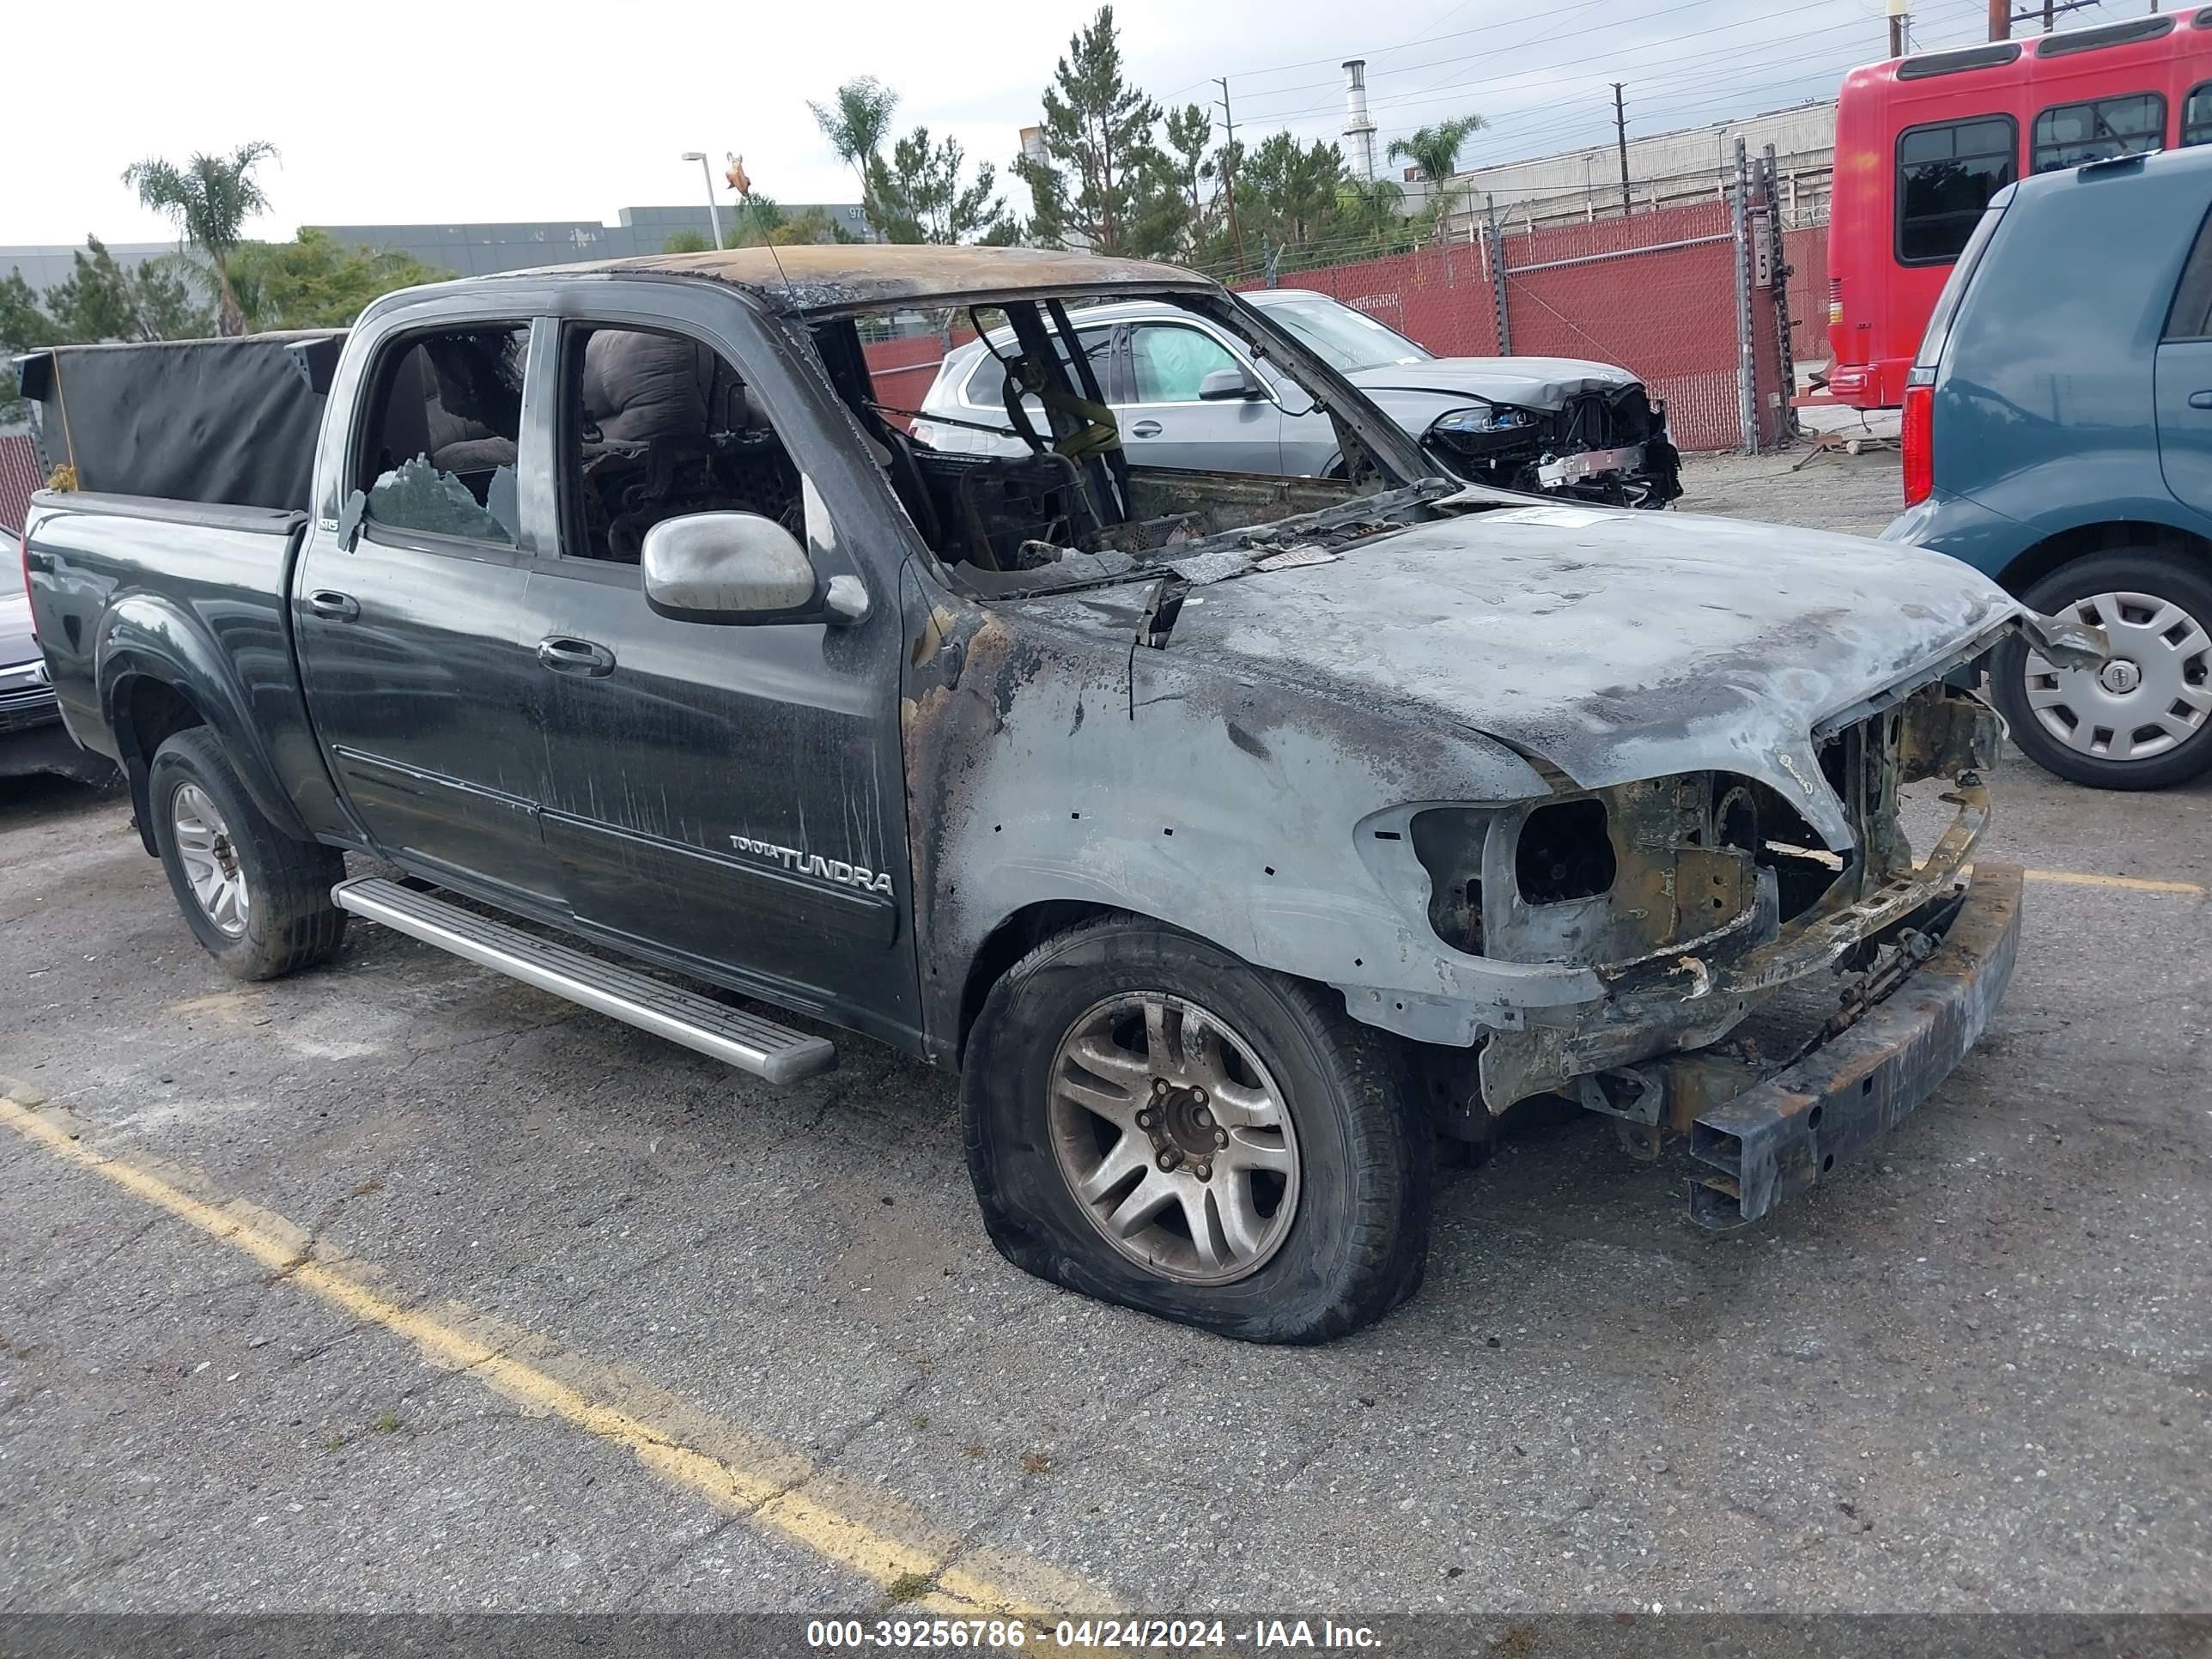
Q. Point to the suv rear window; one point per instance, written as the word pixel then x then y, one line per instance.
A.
pixel 2072 135
pixel 1937 335
pixel 1946 174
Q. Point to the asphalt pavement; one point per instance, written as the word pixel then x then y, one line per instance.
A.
pixel 400 1287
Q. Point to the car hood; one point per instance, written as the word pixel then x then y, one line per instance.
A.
pixel 17 643
pixel 1616 644
pixel 1529 382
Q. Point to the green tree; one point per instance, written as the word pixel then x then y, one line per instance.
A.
pixel 857 122
pixel 687 242
pixel 158 299
pixel 1190 133
pixel 1102 160
pixel 1373 210
pixel 97 301
pixel 1289 188
pixel 1434 149
pixel 209 199
pixel 919 196
pixel 315 282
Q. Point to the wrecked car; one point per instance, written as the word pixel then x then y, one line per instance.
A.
pixel 1185 392
pixel 1232 836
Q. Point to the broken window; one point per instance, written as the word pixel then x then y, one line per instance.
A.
pixel 656 425
pixel 437 451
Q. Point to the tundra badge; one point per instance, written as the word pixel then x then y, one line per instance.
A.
pixel 808 864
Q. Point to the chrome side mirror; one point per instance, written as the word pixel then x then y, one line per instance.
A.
pixel 740 568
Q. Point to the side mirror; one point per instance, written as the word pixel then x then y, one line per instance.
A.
pixel 740 568
pixel 1228 386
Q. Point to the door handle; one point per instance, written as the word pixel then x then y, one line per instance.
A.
pixel 333 606
pixel 1145 429
pixel 2200 400
pixel 564 655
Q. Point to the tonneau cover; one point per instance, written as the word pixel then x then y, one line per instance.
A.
pixel 227 421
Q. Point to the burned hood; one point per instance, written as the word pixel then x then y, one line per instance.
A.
pixel 1544 383
pixel 1618 646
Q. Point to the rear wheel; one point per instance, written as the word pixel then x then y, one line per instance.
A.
pixel 258 901
pixel 2144 720
pixel 1151 1122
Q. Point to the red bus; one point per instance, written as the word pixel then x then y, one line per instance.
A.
pixel 1923 142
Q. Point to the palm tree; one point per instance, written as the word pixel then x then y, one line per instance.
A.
pixel 1435 150
pixel 856 125
pixel 209 199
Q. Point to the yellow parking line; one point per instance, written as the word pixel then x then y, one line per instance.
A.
pixel 2125 883
pixel 772 1487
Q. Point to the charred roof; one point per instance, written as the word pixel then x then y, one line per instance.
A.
pixel 846 276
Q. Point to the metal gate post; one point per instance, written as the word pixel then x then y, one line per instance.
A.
pixel 1497 282
pixel 1770 193
pixel 1747 394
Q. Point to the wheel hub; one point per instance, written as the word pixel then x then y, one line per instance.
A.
pixel 2120 676
pixel 1173 1138
pixel 1182 1129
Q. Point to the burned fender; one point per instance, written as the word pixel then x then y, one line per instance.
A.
pixel 1052 759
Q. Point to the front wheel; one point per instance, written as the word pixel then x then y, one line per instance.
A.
pixel 258 901
pixel 1154 1123
pixel 2144 720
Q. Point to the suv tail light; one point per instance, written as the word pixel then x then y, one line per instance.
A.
pixel 1917 435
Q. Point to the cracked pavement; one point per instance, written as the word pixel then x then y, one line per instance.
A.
pixel 1970 1373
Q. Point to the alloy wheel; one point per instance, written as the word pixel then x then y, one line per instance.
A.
pixel 1174 1138
pixel 211 860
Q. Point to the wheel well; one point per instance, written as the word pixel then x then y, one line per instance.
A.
pixel 1009 942
pixel 148 713
pixel 2048 554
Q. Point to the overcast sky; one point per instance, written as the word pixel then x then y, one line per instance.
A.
pixel 410 112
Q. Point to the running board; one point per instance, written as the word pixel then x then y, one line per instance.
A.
pixel 746 1041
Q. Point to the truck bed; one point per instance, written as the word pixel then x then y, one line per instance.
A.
pixel 195 594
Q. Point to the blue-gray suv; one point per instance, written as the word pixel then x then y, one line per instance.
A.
pixel 2058 438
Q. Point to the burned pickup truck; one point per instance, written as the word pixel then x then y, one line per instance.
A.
pixel 1232 835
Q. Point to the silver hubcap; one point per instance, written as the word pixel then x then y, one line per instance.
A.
pixel 1173 1138
pixel 210 861
pixel 2153 696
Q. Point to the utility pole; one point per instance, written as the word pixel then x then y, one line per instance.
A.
pixel 1896 21
pixel 1229 168
pixel 1620 137
pixel 2000 20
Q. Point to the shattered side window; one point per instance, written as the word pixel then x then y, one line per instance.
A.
pixel 440 445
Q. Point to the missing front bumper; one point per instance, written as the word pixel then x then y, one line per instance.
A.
pixel 1780 1136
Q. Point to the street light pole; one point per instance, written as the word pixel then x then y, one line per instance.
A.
pixel 713 206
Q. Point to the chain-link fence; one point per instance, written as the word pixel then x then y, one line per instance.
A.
pixel 1656 292
pixel 1692 298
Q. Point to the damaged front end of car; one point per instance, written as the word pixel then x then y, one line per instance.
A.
pixel 1609 446
pixel 1773 996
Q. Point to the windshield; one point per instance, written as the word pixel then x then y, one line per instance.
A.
pixel 1347 340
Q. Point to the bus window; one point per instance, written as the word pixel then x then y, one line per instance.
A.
pixel 1946 174
pixel 2069 134
pixel 2197 117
